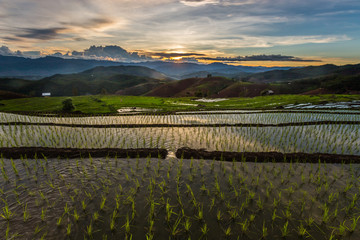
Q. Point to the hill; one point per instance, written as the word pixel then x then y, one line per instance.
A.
pixel 199 87
pixel 302 73
pixel 94 81
pixel 309 80
pixel 5 95
pixel 139 71
pixel 46 66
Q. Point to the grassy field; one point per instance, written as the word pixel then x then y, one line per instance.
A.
pixel 102 104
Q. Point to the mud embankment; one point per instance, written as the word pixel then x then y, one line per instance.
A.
pixel 160 125
pixel 209 111
pixel 40 152
pixel 188 153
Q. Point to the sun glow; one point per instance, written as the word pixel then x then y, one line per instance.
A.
pixel 176 58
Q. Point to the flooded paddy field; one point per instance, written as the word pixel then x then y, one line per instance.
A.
pixel 190 118
pixel 149 198
pixel 168 197
pixel 335 139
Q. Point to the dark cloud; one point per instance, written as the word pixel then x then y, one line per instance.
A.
pixel 279 58
pixel 170 55
pixel 42 34
pixel 79 39
pixel 12 39
pixel 90 23
pixel 98 22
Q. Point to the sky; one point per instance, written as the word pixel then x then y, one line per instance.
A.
pixel 246 32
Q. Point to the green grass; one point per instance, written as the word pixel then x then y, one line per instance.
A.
pixel 101 104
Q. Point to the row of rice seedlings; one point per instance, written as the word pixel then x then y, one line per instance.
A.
pixel 340 139
pixel 254 118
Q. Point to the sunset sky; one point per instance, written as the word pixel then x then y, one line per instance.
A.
pixel 327 31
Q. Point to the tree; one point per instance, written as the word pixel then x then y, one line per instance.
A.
pixel 68 105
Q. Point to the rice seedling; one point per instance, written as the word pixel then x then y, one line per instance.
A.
pixel 354 223
pixel 43 214
pixel 127 226
pixel 89 230
pixel 102 203
pixel 204 230
pixel 264 231
pixel 95 216
pixel 76 216
pixel 200 215
pixel 187 225
pixel 26 214
pixel 174 229
pixel 68 229
pixel 6 213
pixel 83 204
pixel 244 226
pixel 285 229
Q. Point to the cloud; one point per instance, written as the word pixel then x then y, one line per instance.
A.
pixel 247 41
pixel 5 51
pixel 172 55
pixel 12 39
pixel 92 23
pixel 197 3
pixel 41 34
pixel 335 13
pixel 109 52
pixel 279 58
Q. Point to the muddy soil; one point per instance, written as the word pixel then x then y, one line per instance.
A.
pixel 188 153
pixel 32 152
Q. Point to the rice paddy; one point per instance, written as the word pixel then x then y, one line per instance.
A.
pixel 177 198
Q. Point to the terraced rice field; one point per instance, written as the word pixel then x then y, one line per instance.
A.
pixel 177 198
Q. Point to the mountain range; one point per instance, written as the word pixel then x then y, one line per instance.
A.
pixel 34 69
pixel 98 80
pixel 131 79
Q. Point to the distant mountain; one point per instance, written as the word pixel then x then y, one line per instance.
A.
pixel 203 74
pixel 109 80
pixel 302 73
pixel 11 66
pixel 184 70
pixel 34 69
